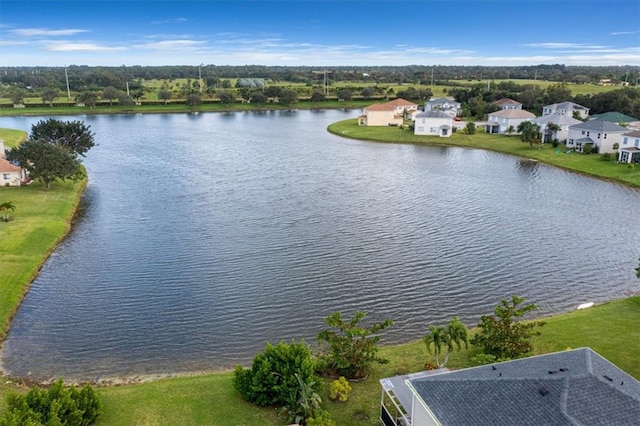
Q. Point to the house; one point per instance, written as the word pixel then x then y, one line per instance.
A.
pixel 392 113
pixel 566 108
pixel 629 150
pixel 614 117
pixel 506 103
pixel 597 133
pixel 433 123
pixel 555 126
pixel 574 387
pixel 403 106
pixel 447 105
pixel 501 121
pixel 380 115
pixel 10 174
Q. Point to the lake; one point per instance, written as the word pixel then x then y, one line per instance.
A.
pixel 202 236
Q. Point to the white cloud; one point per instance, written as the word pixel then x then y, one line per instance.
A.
pixel 44 32
pixel 170 21
pixel 173 45
pixel 617 33
pixel 565 46
pixel 66 46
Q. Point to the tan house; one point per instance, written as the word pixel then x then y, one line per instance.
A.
pixel 506 103
pixel 392 113
pixel 10 175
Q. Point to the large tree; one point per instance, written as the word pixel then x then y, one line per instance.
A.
pixel 529 132
pixel 110 93
pixel 45 161
pixel 75 136
pixel 50 95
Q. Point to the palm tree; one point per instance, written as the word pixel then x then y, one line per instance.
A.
pixel 4 208
pixel 447 338
pixel 551 130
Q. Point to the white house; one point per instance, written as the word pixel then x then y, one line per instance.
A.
pixel 574 387
pixel 448 105
pixel 597 133
pixel 433 123
pixel 402 106
pixel 501 121
pixel 566 108
pixel 561 121
pixel 629 150
pixel 506 103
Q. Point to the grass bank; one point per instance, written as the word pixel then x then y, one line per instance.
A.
pixel 592 164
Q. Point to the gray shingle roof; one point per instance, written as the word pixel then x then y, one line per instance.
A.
pixel 616 117
pixel 576 387
pixel 433 114
pixel 600 126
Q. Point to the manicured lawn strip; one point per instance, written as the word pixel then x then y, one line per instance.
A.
pixel 588 164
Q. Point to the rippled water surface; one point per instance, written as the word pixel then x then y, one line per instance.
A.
pixel 203 236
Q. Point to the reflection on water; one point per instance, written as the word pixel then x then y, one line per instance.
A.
pixel 206 235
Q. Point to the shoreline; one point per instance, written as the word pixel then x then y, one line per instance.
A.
pixel 79 189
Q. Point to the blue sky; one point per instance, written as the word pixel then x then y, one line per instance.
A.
pixel 319 33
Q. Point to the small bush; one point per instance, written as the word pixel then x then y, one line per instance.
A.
pixel 607 156
pixel 555 143
pixel 587 149
pixel 272 377
pixel 430 365
pixel 631 166
pixel 58 405
pixel 321 419
pixel 339 390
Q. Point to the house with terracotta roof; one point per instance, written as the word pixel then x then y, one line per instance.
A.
pixel 566 108
pixel 392 113
pixel 629 149
pixel 506 103
pixel 597 133
pixel 574 387
pixel 433 123
pixel 10 174
pixel 501 121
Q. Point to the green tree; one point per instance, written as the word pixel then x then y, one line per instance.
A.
pixel 45 161
pixel 75 136
pixel 110 93
pixel 164 95
pixel 49 95
pixel 348 348
pixel 17 95
pixel 317 96
pixel 4 208
pixel 529 132
pixel 470 128
pixel 288 97
pixel 259 98
pixel 344 95
pixel 226 97
pixel 550 131
pixel 510 130
pixel 447 339
pixel 193 100
pixel 88 98
pixel 367 92
pixel 501 335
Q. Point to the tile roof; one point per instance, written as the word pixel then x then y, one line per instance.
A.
pixel 6 167
pixel 400 102
pixel 633 134
pixel 577 387
pixel 379 107
pixel 506 101
pixel 512 113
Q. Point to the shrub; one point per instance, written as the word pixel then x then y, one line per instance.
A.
pixel 339 390
pixel 272 377
pixel 631 166
pixel 321 419
pixel 349 348
pixel 303 403
pixel 58 405
pixel 555 143
pixel 503 337
pixel 587 149
pixel 607 156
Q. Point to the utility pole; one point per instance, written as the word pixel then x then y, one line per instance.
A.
pixel 66 77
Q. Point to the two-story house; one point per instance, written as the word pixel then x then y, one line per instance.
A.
pixel 629 150
pixel 566 108
pixel 597 133
pixel 448 105
pixel 506 119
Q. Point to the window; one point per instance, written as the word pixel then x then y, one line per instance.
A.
pixel 6 176
pixel 433 130
pixel 598 135
pixel 625 140
pixel 605 136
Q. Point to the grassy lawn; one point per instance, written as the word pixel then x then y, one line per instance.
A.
pixel 587 164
